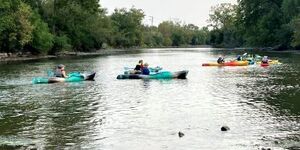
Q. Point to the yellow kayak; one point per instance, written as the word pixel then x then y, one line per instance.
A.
pixel 271 62
pixel 230 63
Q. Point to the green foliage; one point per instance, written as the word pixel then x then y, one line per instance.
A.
pixel 127 25
pixel 15 26
pixel 296 36
pixel 25 28
pixel 166 28
pixel 290 9
pixel 52 26
pixel 152 37
pixel 223 20
pixel 175 34
pixel 42 39
pixel 254 23
pixel 83 22
pixel 262 21
pixel 61 43
pixel 223 15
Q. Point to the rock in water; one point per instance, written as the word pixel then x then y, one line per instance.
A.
pixel 225 128
pixel 180 134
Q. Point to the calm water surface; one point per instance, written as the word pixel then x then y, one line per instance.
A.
pixel 260 105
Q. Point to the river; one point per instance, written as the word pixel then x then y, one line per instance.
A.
pixel 260 105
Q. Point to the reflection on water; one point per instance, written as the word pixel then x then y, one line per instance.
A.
pixel 260 105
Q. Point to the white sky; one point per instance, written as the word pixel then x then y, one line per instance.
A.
pixel 187 11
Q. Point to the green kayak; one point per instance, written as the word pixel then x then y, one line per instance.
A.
pixel 159 75
pixel 72 77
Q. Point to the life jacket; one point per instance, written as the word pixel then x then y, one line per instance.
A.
pixel 139 67
pixel 58 73
pixel 145 71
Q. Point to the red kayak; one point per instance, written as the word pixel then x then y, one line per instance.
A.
pixel 264 64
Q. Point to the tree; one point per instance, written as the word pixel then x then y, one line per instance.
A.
pixel 127 26
pixel 296 36
pixel 166 29
pixel 42 38
pixel 15 26
pixel 290 9
pixel 222 15
pixel 262 20
pixel 152 37
pixel 223 19
pixel 200 37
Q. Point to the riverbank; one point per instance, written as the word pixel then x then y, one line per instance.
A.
pixel 21 57
pixel 6 57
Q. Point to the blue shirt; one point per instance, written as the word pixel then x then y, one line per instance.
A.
pixel 145 71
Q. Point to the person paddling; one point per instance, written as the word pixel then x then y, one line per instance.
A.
pixel 220 60
pixel 145 70
pixel 139 67
pixel 239 58
pixel 265 60
pixel 60 71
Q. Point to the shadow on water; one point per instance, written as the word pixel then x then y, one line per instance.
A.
pixel 275 91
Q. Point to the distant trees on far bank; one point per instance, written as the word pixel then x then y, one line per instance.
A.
pixel 52 26
pixel 256 23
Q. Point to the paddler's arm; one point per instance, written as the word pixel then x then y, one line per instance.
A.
pixel 64 74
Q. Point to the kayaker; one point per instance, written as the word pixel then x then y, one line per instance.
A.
pixel 138 68
pixel 265 60
pixel 220 60
pixel 239 58
pixel 145 70
pixel 60 71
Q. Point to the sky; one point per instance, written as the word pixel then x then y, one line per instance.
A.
pixel 186 11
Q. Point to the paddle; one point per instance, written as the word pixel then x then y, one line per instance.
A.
pixel 128 68
pixel 50 73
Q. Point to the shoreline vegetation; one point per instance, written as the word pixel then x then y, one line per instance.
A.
pixel 32 29
pixel 10 57
pixel 28 56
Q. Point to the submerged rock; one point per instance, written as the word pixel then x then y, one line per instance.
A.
pixel 225 128
pixel 265 148
pixel 180 134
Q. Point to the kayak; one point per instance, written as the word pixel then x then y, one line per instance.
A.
pixel 159 75
pixel 230 63
pixel 271 62
pixel 264 64
pixel 72 77
pixel 251 62
pixel 151 69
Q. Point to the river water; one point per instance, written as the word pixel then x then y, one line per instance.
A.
pixel 260 105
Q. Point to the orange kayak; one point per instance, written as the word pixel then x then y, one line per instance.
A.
pixel 230 63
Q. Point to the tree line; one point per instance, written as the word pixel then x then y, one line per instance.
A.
pixel 256 23
pixel 52 26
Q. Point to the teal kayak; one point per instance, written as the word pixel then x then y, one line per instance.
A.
pixel 158 75
pixel 151 69
pixel 72 77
